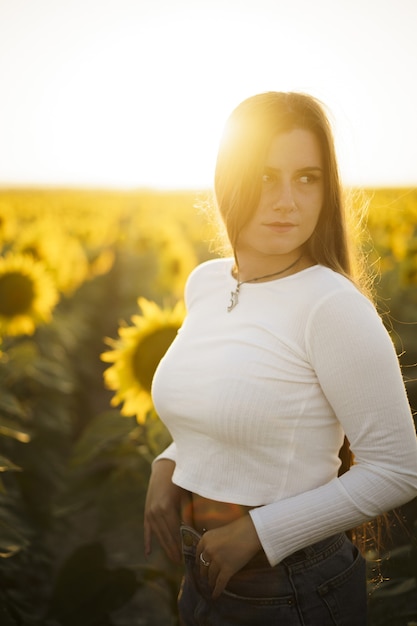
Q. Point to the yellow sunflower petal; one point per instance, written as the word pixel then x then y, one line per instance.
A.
pixel 27 294
pixel 136 354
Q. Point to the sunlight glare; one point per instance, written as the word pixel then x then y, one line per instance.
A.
pixel 148 111
pixel 139 97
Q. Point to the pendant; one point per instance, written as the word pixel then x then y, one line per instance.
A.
pixel 234 299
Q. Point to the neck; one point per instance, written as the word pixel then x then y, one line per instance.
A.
pixel 287 265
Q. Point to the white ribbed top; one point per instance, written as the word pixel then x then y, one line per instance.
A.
pixel 258 400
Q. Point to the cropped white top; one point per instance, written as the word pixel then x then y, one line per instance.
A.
pixel 258 400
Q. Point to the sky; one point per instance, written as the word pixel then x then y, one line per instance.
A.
pixel 134 93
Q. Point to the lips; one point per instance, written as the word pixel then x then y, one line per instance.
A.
pixel 280 227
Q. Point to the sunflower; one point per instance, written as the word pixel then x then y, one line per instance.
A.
pixel 62 254
pixel 136 354
pixel 27 294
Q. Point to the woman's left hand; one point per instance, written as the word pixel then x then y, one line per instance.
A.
pixel 227 549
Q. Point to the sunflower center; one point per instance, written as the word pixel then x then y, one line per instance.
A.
pixel 16 294
pixel 149 352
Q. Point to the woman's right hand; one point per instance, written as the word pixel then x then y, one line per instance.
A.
pixel 163 511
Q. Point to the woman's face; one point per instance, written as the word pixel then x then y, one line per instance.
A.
pixel 290 203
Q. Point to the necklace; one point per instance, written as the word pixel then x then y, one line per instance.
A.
pixel 234 295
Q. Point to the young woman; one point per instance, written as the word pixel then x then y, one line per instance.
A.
pixel 280 357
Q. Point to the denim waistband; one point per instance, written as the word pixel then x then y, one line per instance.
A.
pixel 310 554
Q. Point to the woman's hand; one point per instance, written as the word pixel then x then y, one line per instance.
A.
pixel 227 549
pixel 162 511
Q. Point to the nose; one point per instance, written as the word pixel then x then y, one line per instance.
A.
pixel 284 200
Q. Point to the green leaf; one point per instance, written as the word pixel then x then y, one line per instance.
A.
pixel 157 435
pixel 51 375
pixel 20 357
pixel 104 431
pixel 6 465
pixel 121 499
pixel 11 428
pixel 10 405
pixel 11 541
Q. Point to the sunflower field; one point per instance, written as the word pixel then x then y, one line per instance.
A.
pixel 91 286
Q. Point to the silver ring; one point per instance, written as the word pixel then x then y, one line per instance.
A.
pixel 203 560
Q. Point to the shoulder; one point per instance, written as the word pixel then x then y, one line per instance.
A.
pixel 211 268
pixel 208 276
pixel 340 309
pixel 325 281
pixel 320 286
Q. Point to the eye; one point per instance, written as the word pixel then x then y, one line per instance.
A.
pixel 308 179
pixel 269 177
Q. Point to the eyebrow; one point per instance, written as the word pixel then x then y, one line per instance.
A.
pixel 312 168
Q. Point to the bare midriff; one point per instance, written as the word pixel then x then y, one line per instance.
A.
pixel 205 514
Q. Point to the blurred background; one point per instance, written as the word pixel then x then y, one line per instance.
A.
pixel 135 92
pixel 110 117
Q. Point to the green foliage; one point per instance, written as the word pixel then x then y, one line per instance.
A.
pixel 74 471
pixel 392 223
pixel 393 602
pixel 86 591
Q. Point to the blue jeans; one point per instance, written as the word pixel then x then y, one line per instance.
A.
pixel 321 585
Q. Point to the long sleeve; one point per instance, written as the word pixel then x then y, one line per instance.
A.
pixel 358 371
